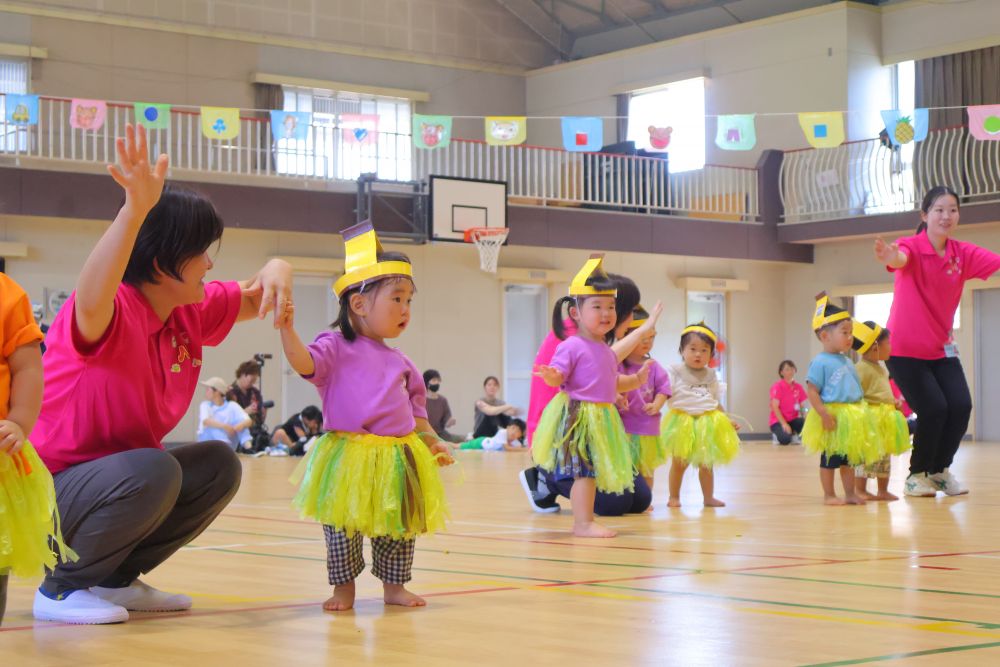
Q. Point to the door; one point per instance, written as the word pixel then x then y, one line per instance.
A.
pixel 525 327
pixel 710 308
pixel 987 366
pixel 316 307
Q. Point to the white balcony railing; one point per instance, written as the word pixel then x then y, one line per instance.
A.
pixel 536 175
pixel 866 178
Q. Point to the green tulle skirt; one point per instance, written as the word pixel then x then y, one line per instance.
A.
pixel 705 440
pixel 649 452
pixel 890 424
pixel 855 436
pixel 374 485
pixel 583 439
pixel 29 518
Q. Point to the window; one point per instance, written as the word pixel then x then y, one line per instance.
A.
pixel 680 106
pixel 13 79
pixel 875 308
pixel 326 154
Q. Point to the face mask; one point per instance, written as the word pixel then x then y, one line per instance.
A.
pixel 434 386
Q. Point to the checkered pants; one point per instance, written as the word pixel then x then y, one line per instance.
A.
pixel 345 560
pixel 879 469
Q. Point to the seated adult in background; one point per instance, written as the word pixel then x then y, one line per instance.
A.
pixel 788 398
pixel 492 414
pixel 438 410
pixel 222 419
pixel 299 429
pixel 244 392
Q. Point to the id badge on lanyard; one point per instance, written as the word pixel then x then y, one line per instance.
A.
pixel 950 349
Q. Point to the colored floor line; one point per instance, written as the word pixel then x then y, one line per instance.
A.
pixel 910 654
pixel 939 591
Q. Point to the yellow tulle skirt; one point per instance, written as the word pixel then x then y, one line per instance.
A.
pixel 890 424
pixel 374 485
pixel 29 518
pixel 649 452
pixel 854 438
pixel 705 440
pixel 583 439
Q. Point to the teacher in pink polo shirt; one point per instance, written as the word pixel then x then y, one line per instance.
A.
pixel 122 365
pixel 931 269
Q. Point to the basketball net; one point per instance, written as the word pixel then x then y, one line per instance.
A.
pixel 488 240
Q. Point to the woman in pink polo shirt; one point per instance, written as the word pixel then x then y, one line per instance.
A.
pixel 931 269
pixel 121 368
pixel 787 399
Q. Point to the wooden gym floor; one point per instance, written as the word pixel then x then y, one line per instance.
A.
pixel 775 578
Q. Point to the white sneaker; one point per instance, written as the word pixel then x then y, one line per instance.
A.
pixel 141 597
pixel 80 608
pixel 919 485
pixel 796 439
pixel 774 439
pixel 946 482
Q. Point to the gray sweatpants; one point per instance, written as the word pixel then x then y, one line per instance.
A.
pixel 126 513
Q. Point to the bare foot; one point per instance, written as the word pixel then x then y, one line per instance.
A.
pixel 854 499
pixel 649 510
pixel 865 495
pixel 674 502
pixel 592 529
pixel 397 594
pixel 342 598
pixel 885 495
pixel 714 502
pixel 833 500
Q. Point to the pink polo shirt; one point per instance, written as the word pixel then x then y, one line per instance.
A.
pixel 541 393
pixel 133 386
pixel 928 290
pixel 791 398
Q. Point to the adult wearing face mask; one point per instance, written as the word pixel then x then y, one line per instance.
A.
pixel 438 410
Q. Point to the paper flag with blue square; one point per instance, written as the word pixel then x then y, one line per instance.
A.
pixel 582 133
pixel 823 129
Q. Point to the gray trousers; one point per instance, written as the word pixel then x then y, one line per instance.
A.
pixel 126 513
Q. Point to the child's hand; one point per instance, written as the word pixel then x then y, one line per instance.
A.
pixel 735 424
pixel 829 421
pixel 621 401
pixel 654 315
pixel 885 252
pixel 552 376
pixel 651 409
pixel 143 186
pixel 441 448
pixel 643 373
pixel 11 437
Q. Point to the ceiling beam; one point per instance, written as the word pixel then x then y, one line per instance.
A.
pixel 660 12
pixel 542 23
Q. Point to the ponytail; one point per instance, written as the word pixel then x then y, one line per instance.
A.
pixel 343 321
pixel 558 326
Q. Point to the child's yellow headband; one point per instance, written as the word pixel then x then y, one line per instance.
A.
pixel 593 267
pixel 866 335
pixel 702 329
pixel 820 318
pixel 361 264
pixel 639 317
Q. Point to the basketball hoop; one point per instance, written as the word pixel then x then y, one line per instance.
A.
pixel 488 241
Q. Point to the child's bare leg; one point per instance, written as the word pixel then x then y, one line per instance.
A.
pixel 677 468
pixel 847 479
pixel 581 499
pixel 861 485
pixel 342 598
pixel 883 489
pixel 707 478
pixel 829 493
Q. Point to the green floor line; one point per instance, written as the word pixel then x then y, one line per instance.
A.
pixel 900 656
pixel 863 585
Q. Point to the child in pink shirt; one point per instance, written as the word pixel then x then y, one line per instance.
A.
pixel 371 474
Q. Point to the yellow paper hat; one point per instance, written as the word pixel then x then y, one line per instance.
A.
pixel 866 335
pixel 820 316
pixel 593 267
pixel 361 264
pixel 702 329
pixel 639 317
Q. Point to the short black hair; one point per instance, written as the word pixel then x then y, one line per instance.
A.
pixel 490 377
pixel 686 338
pixel 882 335
pixel 183 224
pixel 520 424
pixel 598 282
pixel 627 296
pixel 344 317
pixel 430 374
pixel 312 413
pixel 786 362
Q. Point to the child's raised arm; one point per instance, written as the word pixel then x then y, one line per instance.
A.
pixel 624 347
pixel 295 350
pixel 630 382
pixel 26 387
pixel 551 375
pixel 103 271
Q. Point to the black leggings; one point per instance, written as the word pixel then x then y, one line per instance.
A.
pixel 938 393
pixel 3 596
pixel 786 438
pixel 611 504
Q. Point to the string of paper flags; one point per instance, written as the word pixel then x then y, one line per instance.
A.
pixel 734 132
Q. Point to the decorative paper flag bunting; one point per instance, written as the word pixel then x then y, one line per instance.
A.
pixel 905 127
pixel 431 131
pixel 506 130
pixel 823 129
pixel 736 132
pixel 290 124
pixel 220 122
pixel 152 116
pixel 87 114
pixel 659 137
pixel 359 128
pixel 984 122
pixel 582 133
pixel 22 109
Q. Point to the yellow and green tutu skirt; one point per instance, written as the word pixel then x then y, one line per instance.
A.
pixel 890 424
pixel 29 518
pixel 583 439
pixel 370 484
pixel 705 440
pixel 649 452
pixel 854 438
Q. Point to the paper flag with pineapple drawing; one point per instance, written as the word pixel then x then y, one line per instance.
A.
pixel 984 122
pixel 904 126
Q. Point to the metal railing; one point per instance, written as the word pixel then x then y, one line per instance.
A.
pixel 536 175
pixel 867 178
